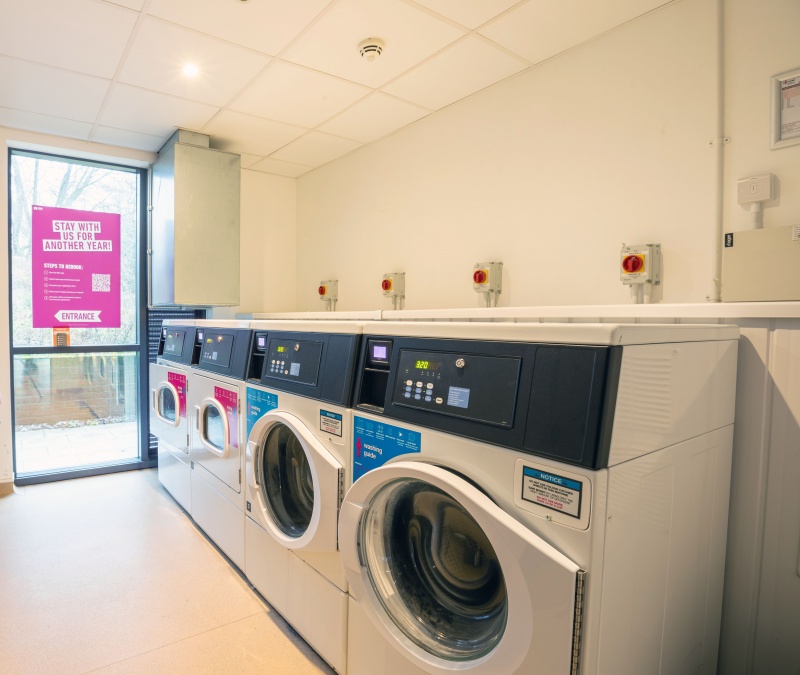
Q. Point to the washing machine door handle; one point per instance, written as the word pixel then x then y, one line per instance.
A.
pixel 252 456
pixel 349 519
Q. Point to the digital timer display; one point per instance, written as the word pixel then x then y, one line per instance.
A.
pixel 426 365
pixel 281 350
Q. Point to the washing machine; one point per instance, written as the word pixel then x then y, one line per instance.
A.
pixel 169 378
pixel 216 441
pixel 537 498
pixel 298 463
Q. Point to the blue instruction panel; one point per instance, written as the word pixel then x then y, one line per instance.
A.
pixel 258 404
pixel 375 443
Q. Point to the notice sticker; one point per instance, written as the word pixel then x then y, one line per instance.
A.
pixel 330 423
pixel 458 397
pixel 552 491
pixel 796 233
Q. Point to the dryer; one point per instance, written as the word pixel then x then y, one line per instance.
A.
pixel 169 379
pixel 299 427
pixel 216 448
pixel 538 498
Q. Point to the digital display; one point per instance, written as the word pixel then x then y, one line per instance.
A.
pixel 427 365
pixel 173 343
pixel 262 341
pixel 281 349
pixel 379 352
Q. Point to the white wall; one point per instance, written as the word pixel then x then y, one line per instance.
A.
pixel 760 41
pixel 549 171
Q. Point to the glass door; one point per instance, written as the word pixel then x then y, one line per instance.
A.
pixel 78 316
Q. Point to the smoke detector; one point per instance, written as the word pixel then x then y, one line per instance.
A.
pixel 371 49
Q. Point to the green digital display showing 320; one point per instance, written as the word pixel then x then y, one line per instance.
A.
pixel 426 365
pixel 281 349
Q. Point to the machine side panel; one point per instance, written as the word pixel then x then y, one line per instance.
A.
pixel 671 392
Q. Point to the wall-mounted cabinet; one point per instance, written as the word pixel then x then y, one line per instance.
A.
pixel 194 234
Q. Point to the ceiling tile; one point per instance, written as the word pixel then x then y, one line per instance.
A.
pixel 315 149
pixel 59 93
pixel 161 50
pixel 444 79
pixel 82 35
pixel 270 165
pixel 19 119
pixel 266 25
pixel 297 95
pixel 374 117
pixel 410 35
pixel 237 132
pixel 540 29
pixel 131 4
pixel 128 139
pixel 149 112
pixel 470 14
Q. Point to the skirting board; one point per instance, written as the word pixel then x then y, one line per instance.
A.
pixel 6 488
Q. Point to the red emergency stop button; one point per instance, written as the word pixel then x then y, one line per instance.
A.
pixel 480 277
pixel 631 264
pixel 322 290
pixel 386 284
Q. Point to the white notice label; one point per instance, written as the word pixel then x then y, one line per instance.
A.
pixel 552 491
pixel 796 233
pixel 330 423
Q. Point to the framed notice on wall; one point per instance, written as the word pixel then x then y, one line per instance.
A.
pixel 785 128
pixel 75 264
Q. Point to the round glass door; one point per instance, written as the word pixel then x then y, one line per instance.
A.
pixel 434 570
pixel 213 427
pixel 287 483
pixel 167 404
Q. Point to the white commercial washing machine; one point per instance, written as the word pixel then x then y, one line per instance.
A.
pixel 539 498
pixel 169 379
pixel 299 426
pixel 216 448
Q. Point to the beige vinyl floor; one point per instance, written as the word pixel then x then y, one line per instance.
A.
pixel 108 575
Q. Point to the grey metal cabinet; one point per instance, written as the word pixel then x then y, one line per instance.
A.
pixel 194 233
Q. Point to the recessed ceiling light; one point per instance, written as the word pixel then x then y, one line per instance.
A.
pixel 191 70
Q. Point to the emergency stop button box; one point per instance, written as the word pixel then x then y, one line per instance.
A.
pixel 640 264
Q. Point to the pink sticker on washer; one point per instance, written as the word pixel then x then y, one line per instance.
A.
pixel 179 382
pixel 230 401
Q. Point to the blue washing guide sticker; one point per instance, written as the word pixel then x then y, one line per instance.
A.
pixel 259 403
pixel 375 443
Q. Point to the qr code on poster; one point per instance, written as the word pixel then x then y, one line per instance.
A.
pixel 101 283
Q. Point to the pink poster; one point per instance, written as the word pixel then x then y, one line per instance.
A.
pixel 230 401
pixel 76 268
pixel 179 382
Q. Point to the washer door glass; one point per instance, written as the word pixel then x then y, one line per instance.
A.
pixel 287 482
pixel 213 427
pixel 167 405
pixel 434 570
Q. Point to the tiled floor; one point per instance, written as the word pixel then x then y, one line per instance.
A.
pixel 49 449
pixel 107 575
